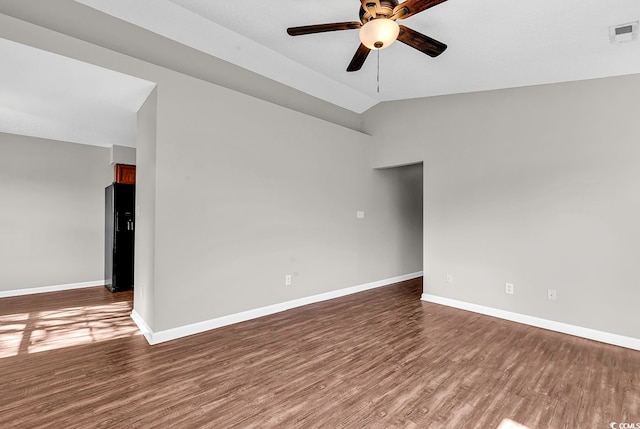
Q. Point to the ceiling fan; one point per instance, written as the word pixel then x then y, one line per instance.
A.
pixel 378 28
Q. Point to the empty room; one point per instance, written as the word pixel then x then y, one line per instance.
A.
pixel 320 214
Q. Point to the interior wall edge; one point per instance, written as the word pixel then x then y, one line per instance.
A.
pixel 207 325
pixel 397 165
pixel 551 325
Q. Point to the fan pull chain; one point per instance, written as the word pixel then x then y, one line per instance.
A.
pixel 378 75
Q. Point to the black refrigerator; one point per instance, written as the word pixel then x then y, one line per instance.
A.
pixel 120 203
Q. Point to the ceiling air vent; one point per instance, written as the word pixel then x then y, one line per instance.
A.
pixel 624 33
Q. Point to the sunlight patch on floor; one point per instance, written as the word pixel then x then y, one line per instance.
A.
pixel 24 333
pixel 510 424
pixel 11 328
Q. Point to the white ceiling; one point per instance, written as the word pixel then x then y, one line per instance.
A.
pixel 493 44
pixel 54 97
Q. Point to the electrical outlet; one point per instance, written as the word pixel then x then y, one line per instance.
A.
pixel 449 278
pixel 360 215
pixel 287 280
pixel 552 295
pixel 508 288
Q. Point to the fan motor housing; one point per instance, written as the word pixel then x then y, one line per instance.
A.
pixel 385 10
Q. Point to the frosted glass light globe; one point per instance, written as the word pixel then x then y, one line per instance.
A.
pixel 379 33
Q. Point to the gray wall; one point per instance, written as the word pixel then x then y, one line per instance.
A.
pixel 145 236
pixel 123 154
pixel 246 192
pixel 52 216
pixel 537 186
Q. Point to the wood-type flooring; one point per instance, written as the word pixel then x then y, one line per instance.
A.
pixel 377 359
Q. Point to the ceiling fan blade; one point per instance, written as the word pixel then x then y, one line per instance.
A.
pixel 411 7
pixel 323 28
pixel 358 59
pixel 419 41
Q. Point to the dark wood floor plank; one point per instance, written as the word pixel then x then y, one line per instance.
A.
pixel 378 359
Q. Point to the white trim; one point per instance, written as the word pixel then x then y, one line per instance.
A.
pixel 56 288
pixel 196 328
pixel 578 331
pixel 142 325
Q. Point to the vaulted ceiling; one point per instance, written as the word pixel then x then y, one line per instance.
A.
pixel 492 44
pixel 54 97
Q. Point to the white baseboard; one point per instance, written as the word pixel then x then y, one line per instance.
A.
pixel 56 288
pixel 142 325
pixel 578 331
pixel 196 328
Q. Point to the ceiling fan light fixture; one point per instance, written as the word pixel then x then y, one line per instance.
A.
pixel 379 33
